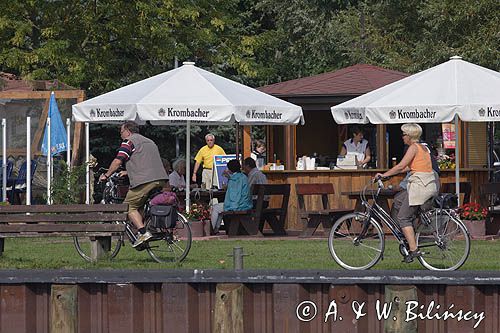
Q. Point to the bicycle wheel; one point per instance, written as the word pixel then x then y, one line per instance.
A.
pixel 444 242
pixel 349 248
pixel 83 246
pixel 171 245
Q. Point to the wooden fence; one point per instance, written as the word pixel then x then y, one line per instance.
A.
pixel 248 301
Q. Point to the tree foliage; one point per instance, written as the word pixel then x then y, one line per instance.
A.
pixel 102 45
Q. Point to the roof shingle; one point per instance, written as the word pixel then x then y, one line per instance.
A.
pixel 354 80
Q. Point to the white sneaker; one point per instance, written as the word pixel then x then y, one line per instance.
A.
pixel 142 238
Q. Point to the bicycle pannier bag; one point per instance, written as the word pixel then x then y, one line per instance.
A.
pixel 163 216
pixel 446 201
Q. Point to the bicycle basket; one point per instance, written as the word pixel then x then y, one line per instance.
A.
pixel 446 201
pixel 163 216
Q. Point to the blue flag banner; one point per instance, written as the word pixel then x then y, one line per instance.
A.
pixel 58 138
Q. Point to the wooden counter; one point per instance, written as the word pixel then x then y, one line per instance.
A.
pixel 353 180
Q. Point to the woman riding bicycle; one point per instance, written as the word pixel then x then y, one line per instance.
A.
pixel 423 184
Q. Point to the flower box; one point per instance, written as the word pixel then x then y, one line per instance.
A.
pixel 477 228
pixel 197 228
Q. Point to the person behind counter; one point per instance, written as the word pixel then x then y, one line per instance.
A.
pixel 205 156
pixel 259 153
pixel 359 145
pixel 422 184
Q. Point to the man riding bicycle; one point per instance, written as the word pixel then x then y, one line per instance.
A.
pixel 145 170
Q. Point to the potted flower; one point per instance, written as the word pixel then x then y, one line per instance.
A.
pixel 199 218
pixel 474 218
pixel 446 161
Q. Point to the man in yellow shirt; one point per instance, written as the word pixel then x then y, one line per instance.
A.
pixel 206 156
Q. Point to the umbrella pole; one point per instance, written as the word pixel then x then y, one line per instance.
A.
pixel 68 144
pixel 87 171
pixel 237 141
pixel 4 159
pixel 28 162
pixel 457 162
pixel 188 164
pixel 49 153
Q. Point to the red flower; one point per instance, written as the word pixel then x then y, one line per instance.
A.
pixel 473 211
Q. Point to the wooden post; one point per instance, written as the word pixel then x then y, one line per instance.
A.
pixel 462 140
pixel 228 316
pixel 270 144
pixel 396 297
pixel 2 245
pixel 63 309
pixel 247 141
pixel 41 125
pixel 290 147
pixel 382 152
pixel 99 247
pixel 78 136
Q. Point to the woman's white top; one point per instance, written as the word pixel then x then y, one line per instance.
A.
pixel 176 180
pixel 358 148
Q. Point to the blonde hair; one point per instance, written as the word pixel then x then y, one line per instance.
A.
pixel 414 131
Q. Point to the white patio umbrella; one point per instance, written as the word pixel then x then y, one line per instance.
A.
pixel 439 94
pixel 186 95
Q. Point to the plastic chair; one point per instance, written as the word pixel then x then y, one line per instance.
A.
pixel 10 167
pixel 19 184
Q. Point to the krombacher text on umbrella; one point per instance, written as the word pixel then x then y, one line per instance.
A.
pixel 107 113
pixel 265 115
pixel 414 114
pixel 492 112
pixel 187 113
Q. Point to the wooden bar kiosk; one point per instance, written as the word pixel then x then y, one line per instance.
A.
pixel 323 138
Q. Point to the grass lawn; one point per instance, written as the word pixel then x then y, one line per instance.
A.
pixel 59 253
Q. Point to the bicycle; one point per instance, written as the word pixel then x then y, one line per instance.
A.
pixel 357 242
pixel 166 245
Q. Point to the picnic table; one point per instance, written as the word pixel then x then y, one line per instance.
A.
pixel 325 215
pixel 382 200
pixel 201 195
pixel 252 221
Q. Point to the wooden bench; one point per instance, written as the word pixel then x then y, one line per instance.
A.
pixel 93 221
pixel 488 196
pixel 251 222
pixel 312 218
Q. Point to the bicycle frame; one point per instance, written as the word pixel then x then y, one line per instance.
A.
pixel 112 184
pixel 381 216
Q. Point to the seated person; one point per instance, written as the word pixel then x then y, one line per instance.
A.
pixel 255 176
pixel 177 178
pixel 237 195
pixel 357 145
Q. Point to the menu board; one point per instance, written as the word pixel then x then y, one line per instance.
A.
pixel 220 162
pixel 448 136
